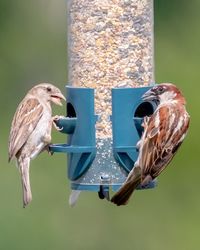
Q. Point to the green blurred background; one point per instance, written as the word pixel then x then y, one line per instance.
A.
pixel 32 50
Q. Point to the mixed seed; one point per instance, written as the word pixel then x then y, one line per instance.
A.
pixel 110 45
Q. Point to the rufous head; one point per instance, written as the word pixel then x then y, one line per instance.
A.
pixel 164 92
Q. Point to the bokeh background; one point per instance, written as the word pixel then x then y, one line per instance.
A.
pixel 32 50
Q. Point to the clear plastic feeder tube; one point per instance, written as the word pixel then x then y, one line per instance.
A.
pixel 110 45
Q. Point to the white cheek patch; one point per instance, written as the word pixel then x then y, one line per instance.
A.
pixel 167 96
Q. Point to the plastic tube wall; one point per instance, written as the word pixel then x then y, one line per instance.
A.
pixel 110 45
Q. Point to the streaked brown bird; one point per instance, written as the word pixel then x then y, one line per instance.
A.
pixel 163 134
pixel 30 131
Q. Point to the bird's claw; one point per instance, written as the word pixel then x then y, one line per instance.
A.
pixel 145 121
pixel 48 149
pixel 55 119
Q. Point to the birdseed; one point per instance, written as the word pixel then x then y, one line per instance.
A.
pixel 110 44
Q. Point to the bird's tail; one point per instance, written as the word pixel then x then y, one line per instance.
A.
pixel 74 197
pixel 26 187
pixel 124 193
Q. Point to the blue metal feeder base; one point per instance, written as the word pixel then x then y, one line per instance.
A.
pixel 95 168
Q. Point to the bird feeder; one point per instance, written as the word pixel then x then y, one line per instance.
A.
pixel 110 66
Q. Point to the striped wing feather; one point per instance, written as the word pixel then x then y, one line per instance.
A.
pixel 24 122
pixel 160 143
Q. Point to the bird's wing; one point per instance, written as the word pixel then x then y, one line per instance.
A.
pixel 24 122
pixel 163 134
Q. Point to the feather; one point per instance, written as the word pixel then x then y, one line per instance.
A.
pixel 125 192
pixel 24 122
pixel 74 197
pixel 23 165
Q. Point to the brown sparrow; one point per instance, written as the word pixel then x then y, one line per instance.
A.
pixel 163 134
pixel 31 130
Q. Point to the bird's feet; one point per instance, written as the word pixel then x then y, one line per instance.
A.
pixel 55 120
pixel 145 121
pixel 48 149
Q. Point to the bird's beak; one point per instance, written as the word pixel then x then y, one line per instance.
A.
pixel 56 98
pixel 149 96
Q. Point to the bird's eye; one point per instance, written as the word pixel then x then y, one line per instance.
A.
pixel 48 89
pixel 160 89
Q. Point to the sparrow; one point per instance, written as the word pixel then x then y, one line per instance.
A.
pixel 30 132
pixel 164 132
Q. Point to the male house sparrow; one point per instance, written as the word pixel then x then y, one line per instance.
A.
pixel 163 133
pixel 31 130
